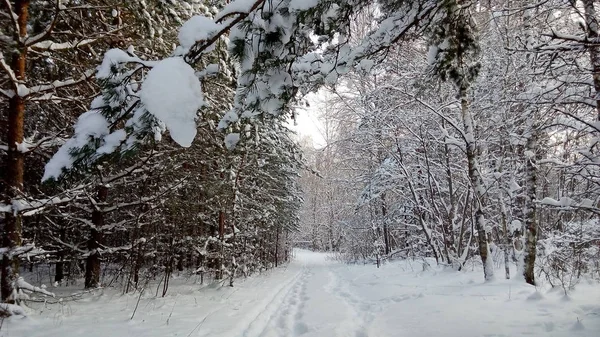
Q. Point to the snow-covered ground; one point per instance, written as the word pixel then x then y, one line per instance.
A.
pixel 315 296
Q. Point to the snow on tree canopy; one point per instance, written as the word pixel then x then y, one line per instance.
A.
pixel 198 28
pixel 112 57
pixel 89 124
pixel 237 6
pixel 173 94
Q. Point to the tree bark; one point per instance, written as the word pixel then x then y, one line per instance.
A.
pixel 530 212
pixel 11 236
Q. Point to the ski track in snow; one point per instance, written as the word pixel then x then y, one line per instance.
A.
pixel 284 313
pixel 287 319
pixel 316 297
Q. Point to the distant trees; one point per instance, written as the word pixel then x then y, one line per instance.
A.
pixel 489 155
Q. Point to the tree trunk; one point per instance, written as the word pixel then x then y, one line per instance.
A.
pixel 220 258
pixel 477 185
pixel 277 247
pixel 11 236
pixel 314 233
pixel 59 271
pixel 530 212
pixel 59 274
pixel 92 266
pixel 222 225
pixel 137 256
pixel 448 226
pixel 507 239
pixel 386 236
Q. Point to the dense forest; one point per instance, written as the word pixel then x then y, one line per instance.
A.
pixel 156 207
pixel 460 130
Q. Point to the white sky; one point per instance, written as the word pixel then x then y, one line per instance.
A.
pixel 307 121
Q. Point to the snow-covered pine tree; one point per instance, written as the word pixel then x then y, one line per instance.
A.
pixel 51 102
pixel 36 88
pixel 120 86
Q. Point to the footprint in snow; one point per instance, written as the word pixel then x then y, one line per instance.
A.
pixel 361 333
pixel 300 328
pixel 549 326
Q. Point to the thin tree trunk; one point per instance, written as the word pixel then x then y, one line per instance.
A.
pixel 477 185
pixel 386 234
pixel 448 230
pixel 530 210
pixel 277 247
pixel 137 255
pixel 314 224
pixel 507 239
pixel 92 266
pixel 59 274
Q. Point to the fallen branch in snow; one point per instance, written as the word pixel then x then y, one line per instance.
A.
pixel 62 299
pixel 7 310
pixel 23 285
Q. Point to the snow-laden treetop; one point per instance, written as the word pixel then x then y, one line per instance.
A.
pixel 283 49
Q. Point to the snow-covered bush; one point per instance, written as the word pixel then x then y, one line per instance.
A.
pixel 567 255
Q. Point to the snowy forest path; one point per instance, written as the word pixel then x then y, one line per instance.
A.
pixel 278 316
pixel 316 296
pixel 312 304
pixel 322 300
